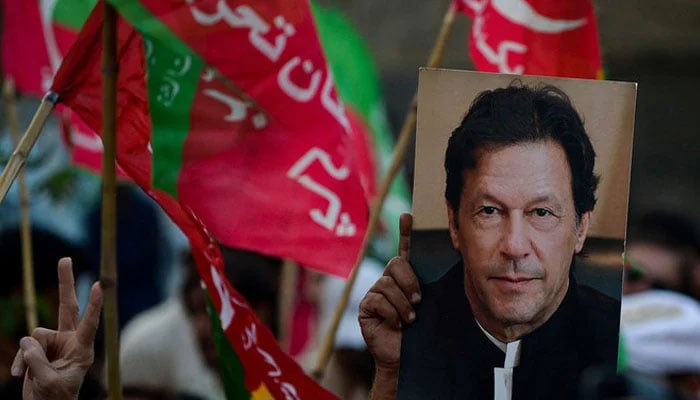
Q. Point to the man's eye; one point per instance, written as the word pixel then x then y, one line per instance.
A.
pixel 542 212
pixel 489 210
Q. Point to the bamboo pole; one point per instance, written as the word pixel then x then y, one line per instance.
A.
pixel 108 260
pixel 405 136
pixel 21 152
pixel 287 292
pixel 24 217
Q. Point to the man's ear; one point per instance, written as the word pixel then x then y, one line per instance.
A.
pixel 452 221
pixel 582 231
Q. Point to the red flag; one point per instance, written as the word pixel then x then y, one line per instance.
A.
pixel 79 85
pixel 295 181
pixel 84 144
pixel 35 36
pixel 34 41
pixel 535 37
pixel 25 58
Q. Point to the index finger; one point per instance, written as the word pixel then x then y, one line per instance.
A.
pixel 87 327
pixel 68 303
pixel 405 225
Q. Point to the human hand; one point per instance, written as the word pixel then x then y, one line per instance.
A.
pixel 54 363
pixel 389 304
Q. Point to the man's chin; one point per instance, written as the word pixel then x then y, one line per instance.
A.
pixel 519 314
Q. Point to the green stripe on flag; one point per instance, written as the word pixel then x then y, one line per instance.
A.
pixel 148 24
pixel 170 117
pixel 72 13
pixel 230 366
pixel 172 83
pixel 354 74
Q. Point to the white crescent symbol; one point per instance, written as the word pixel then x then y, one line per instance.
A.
pixel 87 140
pixel 521 13
pixel 46 8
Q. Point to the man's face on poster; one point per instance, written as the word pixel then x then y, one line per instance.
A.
pixel 517 231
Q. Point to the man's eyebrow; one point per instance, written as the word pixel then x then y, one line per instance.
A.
pixel 549 199
pixel 484 197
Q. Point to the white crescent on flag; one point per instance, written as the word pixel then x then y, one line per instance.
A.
pixel 89 141
pixel 46 8
pixel 522 13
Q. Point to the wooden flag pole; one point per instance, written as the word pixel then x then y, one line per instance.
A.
pixel 108 260
pixel 285 301
pixel 24 218
pixel 407 129
pixel 21 152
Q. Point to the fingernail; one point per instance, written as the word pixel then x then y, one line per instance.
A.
pixel 415 298
pixel 411 316
pixel 24 343
pixel 16 371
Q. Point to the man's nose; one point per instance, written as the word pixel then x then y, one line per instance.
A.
pixel 515 243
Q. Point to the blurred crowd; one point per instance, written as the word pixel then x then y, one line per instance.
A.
pixel 660 320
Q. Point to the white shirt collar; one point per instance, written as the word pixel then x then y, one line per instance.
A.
pixel 511 349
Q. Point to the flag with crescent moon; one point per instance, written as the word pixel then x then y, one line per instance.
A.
pixel 534 37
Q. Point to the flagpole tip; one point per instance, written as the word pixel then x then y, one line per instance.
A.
pixel 51 97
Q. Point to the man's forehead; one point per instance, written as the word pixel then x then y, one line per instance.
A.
pixel 488 148
pixel 531 171
pixel 521 151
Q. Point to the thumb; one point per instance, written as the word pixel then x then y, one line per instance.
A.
pixel 35 358
pixel 405 226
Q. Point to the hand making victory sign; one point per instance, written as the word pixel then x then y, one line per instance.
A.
pixel 54 363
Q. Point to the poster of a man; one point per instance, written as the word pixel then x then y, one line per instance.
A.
pixel 506 316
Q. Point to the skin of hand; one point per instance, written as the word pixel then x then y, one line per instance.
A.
pixel 54 362
pixel 383 311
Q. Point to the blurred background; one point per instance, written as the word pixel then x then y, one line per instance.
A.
pixel 656 44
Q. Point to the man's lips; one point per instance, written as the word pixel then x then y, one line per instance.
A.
pixel 514 279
